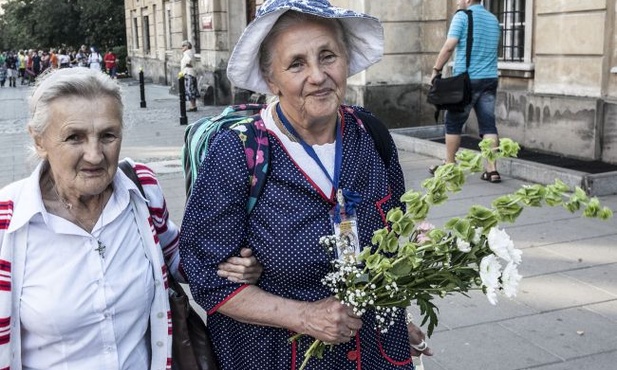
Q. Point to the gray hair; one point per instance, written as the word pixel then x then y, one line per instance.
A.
pixel 59 83
pixel 187 43
pixel 289 19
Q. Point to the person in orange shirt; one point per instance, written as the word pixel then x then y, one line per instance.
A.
pixel 53 59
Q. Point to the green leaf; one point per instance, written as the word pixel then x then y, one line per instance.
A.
pixel 532 195
pixel 462 229
pixel 400 268
pixel 605 214
pixel 362 279
pixel 379 236
pixel 482 217
pixel 391 243
pixel 394 215
pixel 411 197
pixel 372 261
pixel 508 147
pixel 507 207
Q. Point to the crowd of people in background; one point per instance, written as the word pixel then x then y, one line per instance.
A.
pixel 27 64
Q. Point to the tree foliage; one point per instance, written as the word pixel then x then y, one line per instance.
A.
pixel 55 23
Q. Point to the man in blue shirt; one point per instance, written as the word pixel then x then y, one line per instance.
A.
pixel 482 72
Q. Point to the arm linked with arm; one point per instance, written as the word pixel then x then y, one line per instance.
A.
pixel 215 228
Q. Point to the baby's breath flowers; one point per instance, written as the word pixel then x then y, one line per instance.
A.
pixel 412 261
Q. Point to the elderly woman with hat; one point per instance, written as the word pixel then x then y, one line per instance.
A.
pixel 322 161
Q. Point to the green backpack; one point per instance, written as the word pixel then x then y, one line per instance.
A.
pixel 245 120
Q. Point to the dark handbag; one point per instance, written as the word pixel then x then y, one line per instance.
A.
pixel 191 348
pixel 453 93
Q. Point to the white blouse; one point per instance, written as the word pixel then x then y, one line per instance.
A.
pixel 309 166
pixel 102 320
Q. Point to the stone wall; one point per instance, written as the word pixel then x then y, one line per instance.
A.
pixel 562 99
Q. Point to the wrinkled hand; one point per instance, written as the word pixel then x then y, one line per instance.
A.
pixel 416 340
pixel 330 321
pixel 244 269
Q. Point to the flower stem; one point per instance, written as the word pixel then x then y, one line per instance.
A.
pixel 313 350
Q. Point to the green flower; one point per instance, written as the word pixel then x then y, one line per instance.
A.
pixel 461 228
pixel 412 262
pixel 507 207
pixel 483 217
pixel 509 147
pixel 532 195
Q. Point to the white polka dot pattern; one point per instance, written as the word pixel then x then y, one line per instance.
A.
pixel 283 231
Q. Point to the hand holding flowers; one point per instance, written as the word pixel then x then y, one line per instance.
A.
pixel 413 261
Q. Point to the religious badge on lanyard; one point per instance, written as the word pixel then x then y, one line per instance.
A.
pixel 344 212
pixel 346 224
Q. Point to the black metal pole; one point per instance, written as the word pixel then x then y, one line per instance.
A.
pixel 142 90
pixel 182 93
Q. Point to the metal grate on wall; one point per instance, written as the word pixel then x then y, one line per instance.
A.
pixel 511 16
pixel 196 26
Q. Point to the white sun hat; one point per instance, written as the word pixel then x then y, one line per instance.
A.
pixel 364 36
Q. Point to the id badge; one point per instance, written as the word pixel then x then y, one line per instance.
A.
pixel 347 230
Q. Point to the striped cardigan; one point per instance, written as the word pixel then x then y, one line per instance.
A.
pixel 162 249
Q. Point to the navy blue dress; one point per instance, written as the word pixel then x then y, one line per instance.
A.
pixel 283 230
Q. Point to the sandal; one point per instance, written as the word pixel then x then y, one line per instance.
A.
pixel 492 177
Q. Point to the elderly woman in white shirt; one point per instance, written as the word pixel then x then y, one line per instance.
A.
pixel 83 256
pixel 190 77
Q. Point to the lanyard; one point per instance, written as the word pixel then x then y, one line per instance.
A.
pixel 338 149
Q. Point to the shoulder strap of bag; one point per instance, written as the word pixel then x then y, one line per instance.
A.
pixel 129 171
pixel 199 134
pixel 378 131
pixel 469 36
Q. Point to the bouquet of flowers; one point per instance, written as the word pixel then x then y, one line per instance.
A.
pixel 414 261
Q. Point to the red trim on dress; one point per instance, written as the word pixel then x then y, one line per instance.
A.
pixel 294 354
pixel 388 358
pixel 307 177
pixel 379 205
pixel 358 351
pixel 215 308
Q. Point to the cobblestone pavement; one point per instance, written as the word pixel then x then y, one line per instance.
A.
pixel 152 134
pixel 564 317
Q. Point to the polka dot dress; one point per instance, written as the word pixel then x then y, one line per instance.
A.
pixel 283 230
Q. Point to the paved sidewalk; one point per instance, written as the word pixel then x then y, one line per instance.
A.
pixel 564 317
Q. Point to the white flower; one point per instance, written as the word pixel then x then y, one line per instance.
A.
pixel 515 254
pixel 477 235
pixel 490 271
pixel 462 245
pixel 501 244
pixel 510 278
pixel 491 295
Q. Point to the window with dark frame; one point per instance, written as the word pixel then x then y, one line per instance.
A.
pixel 169 38
pixel 196 26
pixel 146 34
pixel 251 8
pixel 136 33
pixel 511 16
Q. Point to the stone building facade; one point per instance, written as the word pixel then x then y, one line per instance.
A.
pixel 558 63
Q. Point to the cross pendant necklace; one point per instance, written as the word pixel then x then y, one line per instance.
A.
pixel 100 249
